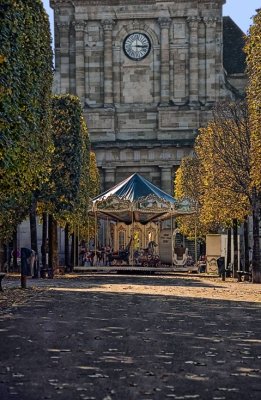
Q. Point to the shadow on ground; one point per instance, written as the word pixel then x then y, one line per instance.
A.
pixel 105 346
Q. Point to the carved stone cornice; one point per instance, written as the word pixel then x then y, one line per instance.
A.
pixel 79 25
pixel 107 24
pixel 211 21
pixel 54 3
pixel 164 22
pixel 136 24
pixel 193 21
pixel 64 25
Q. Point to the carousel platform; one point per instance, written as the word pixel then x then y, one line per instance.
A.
pixel 119 268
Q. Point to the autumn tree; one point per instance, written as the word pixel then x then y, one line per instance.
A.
pixel 223 148
pixel 253 51
pixel 189 186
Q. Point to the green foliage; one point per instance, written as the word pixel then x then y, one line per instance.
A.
pixel 25 90
pixel 74 177
pixel 87 229
pixel 67 156
pixel 94 180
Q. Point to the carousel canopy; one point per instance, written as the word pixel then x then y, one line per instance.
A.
pixel 137 199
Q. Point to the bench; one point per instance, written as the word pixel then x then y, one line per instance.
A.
pixel 243 273
pixel 2 275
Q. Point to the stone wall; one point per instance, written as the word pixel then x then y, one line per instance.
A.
pixel 143 116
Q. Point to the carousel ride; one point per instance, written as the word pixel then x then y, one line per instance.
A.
pixel 136 204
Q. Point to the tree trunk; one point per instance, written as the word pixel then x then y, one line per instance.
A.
pixel 50 247
pixel 228 246
pixel 228 255
pixel 73 250
pixel 15 251
pixel 33 232
pixel 2 256
pixel 55 246
pixel 235 247
pixel 256 266
pixel 9 256
pixel 44 246
pixel 246 246
pixel 66 247
pixel 77 250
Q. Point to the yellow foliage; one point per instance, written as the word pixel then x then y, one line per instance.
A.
pixel 253 50
pixel 217 179
pixel 2 58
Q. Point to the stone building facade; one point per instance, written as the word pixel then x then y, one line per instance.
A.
pixel 148 73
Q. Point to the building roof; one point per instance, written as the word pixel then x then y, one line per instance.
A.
pixel 234 58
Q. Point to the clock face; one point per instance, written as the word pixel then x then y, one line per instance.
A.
pixel 136 46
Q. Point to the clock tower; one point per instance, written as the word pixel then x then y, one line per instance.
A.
pixel 147 72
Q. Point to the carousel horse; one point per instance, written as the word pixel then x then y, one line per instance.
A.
pixel 149 259
pixel 151 247
pixel 121 256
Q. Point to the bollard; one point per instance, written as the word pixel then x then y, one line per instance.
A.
pixel 2 275
pixel 25 254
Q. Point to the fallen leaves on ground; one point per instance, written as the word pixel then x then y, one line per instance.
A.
pixel 14 297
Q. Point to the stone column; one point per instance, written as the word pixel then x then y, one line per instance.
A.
pixel 109 178
pixel 79 59
pixel 164 23
pixel 117 74
pixel 193 61
pixel 108 70
pixel 166 179
pixel 210 59
pixel 64 56
pixel 87 55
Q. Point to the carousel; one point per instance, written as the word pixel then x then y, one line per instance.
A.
pixel 131 221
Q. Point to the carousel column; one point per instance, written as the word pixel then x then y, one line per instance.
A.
pixel 194 62
pixel 210 59
pixel 79 59
pixel 109 178
pixel 164 23
pixel 108 69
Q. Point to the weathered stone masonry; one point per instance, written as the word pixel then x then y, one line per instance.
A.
pixel 142 115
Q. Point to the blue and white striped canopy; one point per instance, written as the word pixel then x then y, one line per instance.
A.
pixel 135 187
pixel 137 199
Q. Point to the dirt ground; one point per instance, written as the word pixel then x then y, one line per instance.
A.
pixel 130 337
pixel 185 285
